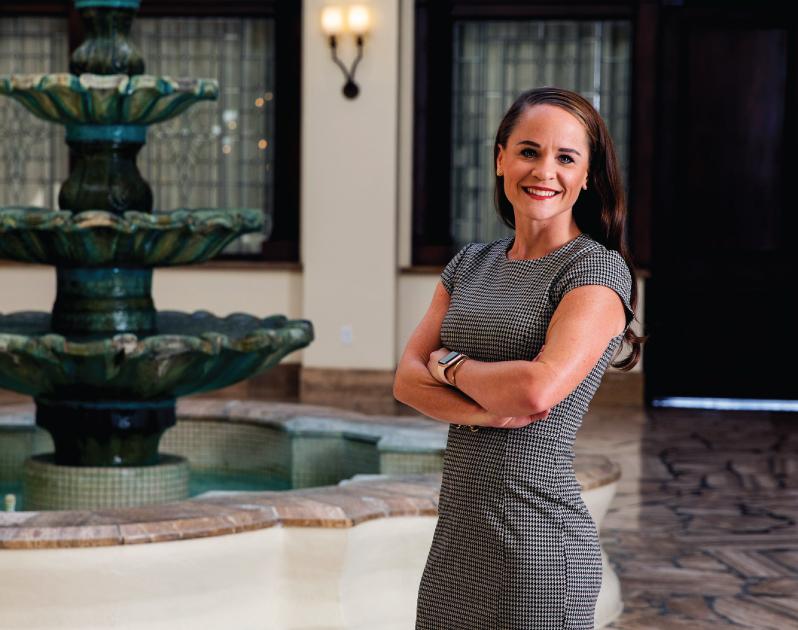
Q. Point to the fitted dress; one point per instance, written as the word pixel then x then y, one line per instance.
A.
pixel 515 547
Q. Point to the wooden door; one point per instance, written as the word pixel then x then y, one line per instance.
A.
pixel 720 302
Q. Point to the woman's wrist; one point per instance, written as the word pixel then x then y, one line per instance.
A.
pixel 450 374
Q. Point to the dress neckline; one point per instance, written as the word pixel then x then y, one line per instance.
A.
pixel 510 240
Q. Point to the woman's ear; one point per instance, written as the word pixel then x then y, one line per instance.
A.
pixel 499 162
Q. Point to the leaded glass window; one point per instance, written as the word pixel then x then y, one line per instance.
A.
pixel 217 154
pixel 494 61
pixel 33 155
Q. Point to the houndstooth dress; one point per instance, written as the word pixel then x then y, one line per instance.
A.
pixel 515 547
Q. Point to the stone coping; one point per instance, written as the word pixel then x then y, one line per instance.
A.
pixel 348 504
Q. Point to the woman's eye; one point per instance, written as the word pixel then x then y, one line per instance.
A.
pixel 531 153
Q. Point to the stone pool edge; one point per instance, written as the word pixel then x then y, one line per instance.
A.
pixel 336 506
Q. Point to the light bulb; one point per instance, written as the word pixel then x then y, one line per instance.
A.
pixel 358 19
pixel 332 20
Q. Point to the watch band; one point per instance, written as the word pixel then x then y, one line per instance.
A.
pixel 456 367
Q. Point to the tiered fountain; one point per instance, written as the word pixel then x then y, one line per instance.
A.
pixel 105 367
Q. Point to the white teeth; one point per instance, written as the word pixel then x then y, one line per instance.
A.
pixel 540 193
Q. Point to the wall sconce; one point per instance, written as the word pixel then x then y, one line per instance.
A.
pixel 357 22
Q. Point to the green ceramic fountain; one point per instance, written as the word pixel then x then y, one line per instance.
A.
pixel 105 367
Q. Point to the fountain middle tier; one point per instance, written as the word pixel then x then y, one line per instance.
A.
pixel 116 99
pixel 98 238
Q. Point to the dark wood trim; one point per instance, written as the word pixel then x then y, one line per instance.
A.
pixel 643 121
pixel 41 9
pixel 156 8
pixel 283 244
pixel 526 10
pixel 791 122
pixel 208 8
pixel 432 134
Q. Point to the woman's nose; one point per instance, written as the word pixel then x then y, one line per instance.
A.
pixel 544 169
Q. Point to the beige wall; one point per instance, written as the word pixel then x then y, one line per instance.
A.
pixel 349 194
pixel 32 288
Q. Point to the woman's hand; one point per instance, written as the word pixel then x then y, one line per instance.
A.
pixel 432 363
pixel 487 419
pixel 514 422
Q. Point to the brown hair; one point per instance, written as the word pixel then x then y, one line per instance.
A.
pixel 600 211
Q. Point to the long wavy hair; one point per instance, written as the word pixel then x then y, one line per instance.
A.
pixel 600 211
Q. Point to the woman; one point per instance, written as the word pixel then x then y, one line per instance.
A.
pixel 515 547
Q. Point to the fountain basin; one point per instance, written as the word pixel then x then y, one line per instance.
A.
pixel 342 556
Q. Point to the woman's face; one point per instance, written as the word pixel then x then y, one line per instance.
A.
pixel 547 151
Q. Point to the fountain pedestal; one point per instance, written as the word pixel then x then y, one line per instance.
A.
pixel 105 433
pixel 50 486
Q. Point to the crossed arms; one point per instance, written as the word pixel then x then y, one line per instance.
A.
pixel 488 393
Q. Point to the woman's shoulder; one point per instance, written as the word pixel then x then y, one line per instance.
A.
pixel 592 263
pixel 478 250
pixel 496 246
pixel 591 251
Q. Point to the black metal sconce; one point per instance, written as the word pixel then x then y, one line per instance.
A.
pixel 332 23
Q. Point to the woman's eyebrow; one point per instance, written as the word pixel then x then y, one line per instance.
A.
pixel 537 146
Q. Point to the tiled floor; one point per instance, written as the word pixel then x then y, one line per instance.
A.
pixel 702 531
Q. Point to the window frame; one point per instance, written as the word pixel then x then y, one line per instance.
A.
pixel 432 243
pixel 283 243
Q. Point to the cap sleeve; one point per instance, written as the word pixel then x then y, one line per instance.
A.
pixel 602 266
pixel 449 274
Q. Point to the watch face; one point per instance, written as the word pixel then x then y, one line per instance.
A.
pixel 448 357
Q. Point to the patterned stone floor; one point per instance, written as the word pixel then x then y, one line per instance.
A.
pixel 702 531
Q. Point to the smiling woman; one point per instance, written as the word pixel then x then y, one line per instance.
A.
pixel 515 547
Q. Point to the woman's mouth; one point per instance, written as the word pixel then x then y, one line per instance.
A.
pixel 540 193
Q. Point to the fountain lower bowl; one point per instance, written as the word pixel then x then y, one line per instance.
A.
pixel 188 353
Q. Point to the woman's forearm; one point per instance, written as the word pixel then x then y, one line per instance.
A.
pixel 415 387
pixel 505 388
